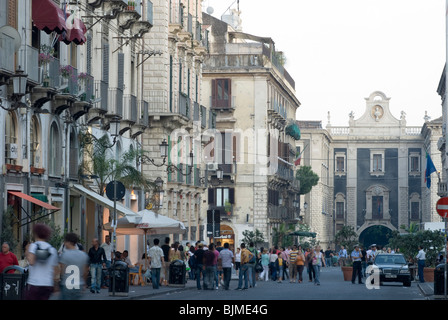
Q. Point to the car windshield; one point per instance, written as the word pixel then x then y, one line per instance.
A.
pixel 390 260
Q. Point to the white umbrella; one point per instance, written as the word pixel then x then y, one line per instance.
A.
pixel 146 222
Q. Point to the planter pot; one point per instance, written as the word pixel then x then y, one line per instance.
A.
pixel 40 170
pixel 9 166
pixel 428 274
pixel 18 168
pixel 347 272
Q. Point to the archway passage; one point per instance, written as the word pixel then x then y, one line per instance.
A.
pixel 378 235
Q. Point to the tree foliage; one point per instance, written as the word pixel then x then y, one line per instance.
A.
pixel 281 235
pixel 346 237
pixel 7 232
pixel 251 236
pixel 308 179
pixel 432 241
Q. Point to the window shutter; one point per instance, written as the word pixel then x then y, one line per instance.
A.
pixel 211 196
pixel 120 71
pixel 232 195
pixel 213 93
pixel 106 63
pixel 89 54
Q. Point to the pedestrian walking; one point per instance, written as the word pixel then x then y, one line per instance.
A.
pixel 108 249
pixel 363 261
pixel 210 267
pixel 74 267
pixel 272 258
pixel 309 264
pixel 356 256
pixel 251 264
pixel 43 264
pixel 300 264
pixel 421 260
pixel 97 261
pixel 265 264
pixel 318 261
pixel 199 266
pixel 156 261
pixel 227 259
pixel 165 272
pixel 328 257
pixel 237 260
pixel 279 263
pixel 293 264
pixel 246 256
pixel 342 256
pixel 285 256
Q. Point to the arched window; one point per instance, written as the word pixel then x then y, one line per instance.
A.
pixel 34 143
pixel 11 148
pixel 54 151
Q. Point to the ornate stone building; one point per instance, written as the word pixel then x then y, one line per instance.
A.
pixel 371 172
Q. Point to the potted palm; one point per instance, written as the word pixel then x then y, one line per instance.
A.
pixel 347 237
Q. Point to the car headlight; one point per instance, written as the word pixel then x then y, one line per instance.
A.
pixel 404 271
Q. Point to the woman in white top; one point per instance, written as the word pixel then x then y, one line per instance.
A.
pixel 317 261
pixel 237 260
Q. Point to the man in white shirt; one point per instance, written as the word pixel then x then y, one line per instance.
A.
pixel 155 255
pixel 421 260
pixel 43 260
pixel 108 248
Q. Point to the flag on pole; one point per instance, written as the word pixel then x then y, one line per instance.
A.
pixel 430 168
pixel 299 157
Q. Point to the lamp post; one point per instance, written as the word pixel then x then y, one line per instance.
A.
pixel 19 80
pixel 114 129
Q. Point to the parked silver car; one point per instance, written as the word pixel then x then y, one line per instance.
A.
pixel 393 268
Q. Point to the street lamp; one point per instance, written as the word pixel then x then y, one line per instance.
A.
pixel 219 176
pixel 19 80
pixel 163 153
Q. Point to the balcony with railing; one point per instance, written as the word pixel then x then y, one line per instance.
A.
pixel 7 65
pixel 100 102
pixel 184 105
pixel 203 115
pixel 281 213
pixel 129 112
pixel 130 14
pixel 85 95
pixel 176 19
pixel 68 89
pixel 115 102
pixel 49 81
pixel 142 119
pixel 29 62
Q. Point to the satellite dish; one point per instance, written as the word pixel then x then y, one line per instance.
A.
pixel 210 10
pixel 10 32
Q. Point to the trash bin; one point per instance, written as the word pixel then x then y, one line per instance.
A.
pixel 439 276
pixel 119 279
pixel 13 284
pixel 177 274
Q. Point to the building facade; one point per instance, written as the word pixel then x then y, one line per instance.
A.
pixel 254 144
pixel 371 172
pixel 82 70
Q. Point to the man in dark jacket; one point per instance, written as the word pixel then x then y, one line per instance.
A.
pixel 97 257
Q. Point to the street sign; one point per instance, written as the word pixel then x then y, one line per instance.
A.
pixel 442 207
pixel 210 230
pixel 121 191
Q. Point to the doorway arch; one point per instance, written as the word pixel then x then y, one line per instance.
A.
pixel 376 234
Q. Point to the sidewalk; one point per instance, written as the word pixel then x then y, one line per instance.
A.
pixel 137 292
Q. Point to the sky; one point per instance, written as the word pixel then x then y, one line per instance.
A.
pixel 339 52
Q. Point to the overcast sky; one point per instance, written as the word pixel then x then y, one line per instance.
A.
pixel 339 52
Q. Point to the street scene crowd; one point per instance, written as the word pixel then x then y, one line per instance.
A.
pixel 72 269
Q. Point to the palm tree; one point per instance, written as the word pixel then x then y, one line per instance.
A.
pixel 281 234
pixel 98 163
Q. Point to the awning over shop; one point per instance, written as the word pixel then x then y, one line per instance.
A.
pixel 47 16
pixel 33 200
pixel 293 130
pixel 103 201
pixel 38 202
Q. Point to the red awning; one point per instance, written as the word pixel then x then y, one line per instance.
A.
pixel 76 31
pixel 47 16
pixel 33 200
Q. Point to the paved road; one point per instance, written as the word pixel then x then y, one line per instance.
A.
pixel 332 287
